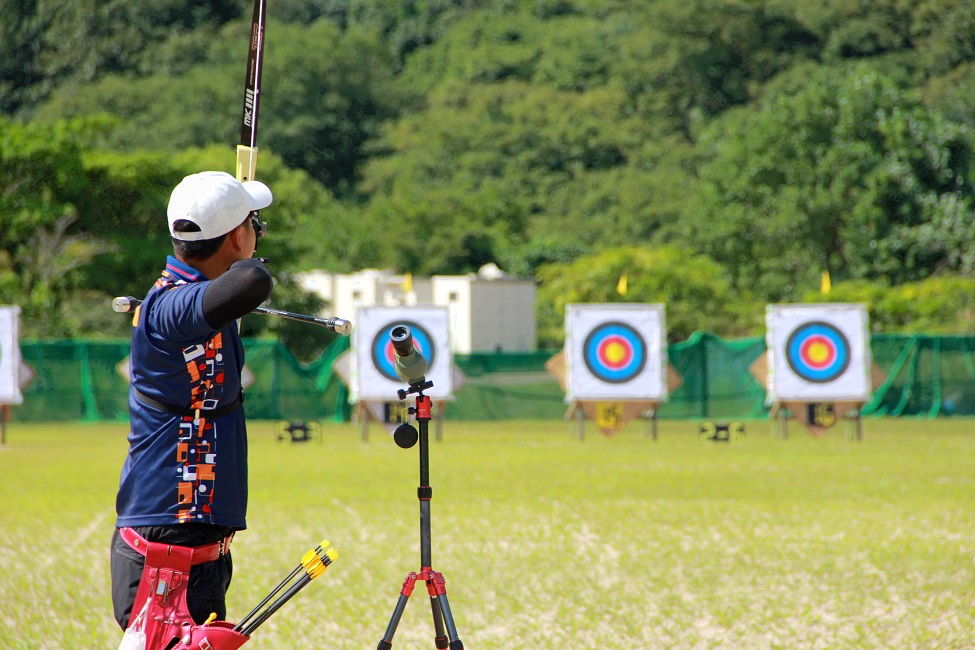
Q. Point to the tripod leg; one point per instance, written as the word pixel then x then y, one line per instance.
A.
pixel 455 642
pixel 440 638
pixel 404 596
pixel 437 587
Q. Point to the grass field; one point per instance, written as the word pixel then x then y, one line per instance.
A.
pixel 545 541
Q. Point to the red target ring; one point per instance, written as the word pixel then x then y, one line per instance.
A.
pixel 615 352
pixel 818 352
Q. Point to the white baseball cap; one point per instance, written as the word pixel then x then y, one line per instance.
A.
pixel 216 202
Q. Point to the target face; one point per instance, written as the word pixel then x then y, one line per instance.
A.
pixel 384 356
pixel 818 352
pixel 615 352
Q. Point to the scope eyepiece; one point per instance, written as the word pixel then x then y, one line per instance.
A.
pixel 402 339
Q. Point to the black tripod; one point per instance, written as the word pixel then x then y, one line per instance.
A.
pixel 406 436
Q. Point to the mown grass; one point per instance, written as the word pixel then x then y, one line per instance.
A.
pixel 545 541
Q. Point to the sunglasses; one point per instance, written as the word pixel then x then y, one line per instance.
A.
pixel 260 227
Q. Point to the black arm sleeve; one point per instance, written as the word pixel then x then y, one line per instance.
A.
pixel 245 285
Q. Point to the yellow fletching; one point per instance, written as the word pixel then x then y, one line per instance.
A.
pixel 309 558
pixel 319 570
pixel 312 567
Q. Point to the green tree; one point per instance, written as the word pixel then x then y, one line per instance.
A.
pixel 838 170
pixel 694 289
pixel 565 51
pixel 55 43
pixel 323 97
pixel 943 34
pixel 42 184
pixel 475 171
pixel 127 206
pixel 685 62
pixel 20 71
pixel 944 304
pixel 405 26
pixel 951 93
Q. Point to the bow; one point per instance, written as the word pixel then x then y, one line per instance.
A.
pixel 247 149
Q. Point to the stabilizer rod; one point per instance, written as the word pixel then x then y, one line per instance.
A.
pixel 128 304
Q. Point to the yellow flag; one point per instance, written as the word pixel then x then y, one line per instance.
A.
pixel 621 285
pixel 407 282
pixel 825 286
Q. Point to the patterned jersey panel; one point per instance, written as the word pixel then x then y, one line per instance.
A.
pixel 184 468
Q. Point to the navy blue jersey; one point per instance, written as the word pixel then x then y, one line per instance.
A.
pixel 183 468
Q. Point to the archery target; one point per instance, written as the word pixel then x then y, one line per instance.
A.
pixel 373 372
pixel 10 361
pixel 818 352
pixel 616 352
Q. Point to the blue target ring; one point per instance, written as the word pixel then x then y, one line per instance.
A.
pixel 614 352
pixel 384 356
pixel 818 352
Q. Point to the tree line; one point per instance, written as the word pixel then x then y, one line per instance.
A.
pixel 721 154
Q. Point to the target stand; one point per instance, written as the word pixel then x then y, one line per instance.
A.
pixel 611 416
pixel 817 417
pixel 613 367
pixel 818 368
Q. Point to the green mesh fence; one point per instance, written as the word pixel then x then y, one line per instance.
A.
pixel 506 386
pixel 925 376
pixel 716 381
pixel 79 380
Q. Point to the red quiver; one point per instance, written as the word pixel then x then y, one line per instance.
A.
pixel 218 635
pixel 168 621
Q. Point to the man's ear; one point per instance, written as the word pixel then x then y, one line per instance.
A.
pixel 237 235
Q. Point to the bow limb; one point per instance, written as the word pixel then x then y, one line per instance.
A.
pixel 247 149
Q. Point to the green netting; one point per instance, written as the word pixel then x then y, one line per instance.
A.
pixel 506 386
pixel 716 381
pixel 925 376
pixel 78 380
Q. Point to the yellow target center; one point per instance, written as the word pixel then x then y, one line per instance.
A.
pixel 615 352
pixel 818 352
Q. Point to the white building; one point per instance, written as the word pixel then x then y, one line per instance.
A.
pixel 488 311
